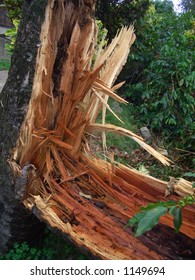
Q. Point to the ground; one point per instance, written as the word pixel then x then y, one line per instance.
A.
pixel 3 78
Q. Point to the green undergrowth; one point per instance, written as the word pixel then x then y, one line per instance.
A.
pixel 128 152
pixel 116 141
pixel 51 247
pixel 4 64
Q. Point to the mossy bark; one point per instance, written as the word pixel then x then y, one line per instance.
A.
pixel 17 223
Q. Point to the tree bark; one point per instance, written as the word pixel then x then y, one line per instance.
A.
pixel 16 222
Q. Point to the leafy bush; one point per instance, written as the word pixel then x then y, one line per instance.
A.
pixel 51 247
pixel 14 12
pixel 14 8
pixel 4 64
pixel 11 35
pixel 24 252
pixel 163 81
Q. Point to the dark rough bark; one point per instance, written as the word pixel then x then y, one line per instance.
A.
pixel 16 223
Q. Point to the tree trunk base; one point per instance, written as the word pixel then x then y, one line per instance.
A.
pixel 17 224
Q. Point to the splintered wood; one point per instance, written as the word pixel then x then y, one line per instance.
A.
pixel 88 198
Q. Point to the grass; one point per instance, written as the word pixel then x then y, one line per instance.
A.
pixel 114 141
pixel 4 64
pixel 130 153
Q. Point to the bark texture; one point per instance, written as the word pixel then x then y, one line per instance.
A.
pixel 17 223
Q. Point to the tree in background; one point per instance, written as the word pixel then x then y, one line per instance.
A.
pixel 116 13
pixel 14 9
pixel 187 5
pixel 161 73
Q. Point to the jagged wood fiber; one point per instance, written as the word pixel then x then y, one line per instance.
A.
pixel 83 196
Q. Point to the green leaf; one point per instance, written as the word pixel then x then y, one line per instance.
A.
pixel 136 218
pixel 33 251
pixel 172 210
pixel 189 174
pixel 168 203
pixel 142 169
pixel 177 218
pixel 150 219
pixel 181 82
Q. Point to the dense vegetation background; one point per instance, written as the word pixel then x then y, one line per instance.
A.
pixel 160 70
pixel 160 86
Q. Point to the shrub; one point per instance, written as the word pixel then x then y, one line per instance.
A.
pixel 163 86
pixel 51 247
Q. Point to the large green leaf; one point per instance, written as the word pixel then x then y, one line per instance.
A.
pixel 189 174
pixel 150 219
pixel 136 218
pixel 177 218
pixel 168 203
pixel 172 210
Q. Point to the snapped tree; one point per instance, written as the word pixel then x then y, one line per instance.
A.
pixel 58 84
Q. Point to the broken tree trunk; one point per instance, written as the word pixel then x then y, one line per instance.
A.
pixel 55 174
pixel 16 223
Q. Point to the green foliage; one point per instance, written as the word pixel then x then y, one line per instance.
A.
pixel 116 13
pixel 102 34
pixel 149 215
pixel 189 174
pixel 123 143
pixel 156 170
pixel 149 218
pixel 24 252
pixel 4 64
pixel 14 9
pixel 11 35
pixel 52 247
pixel 187 5
pixel 101 38
pixel 163 74
pixel 177 213
pixel 14 12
